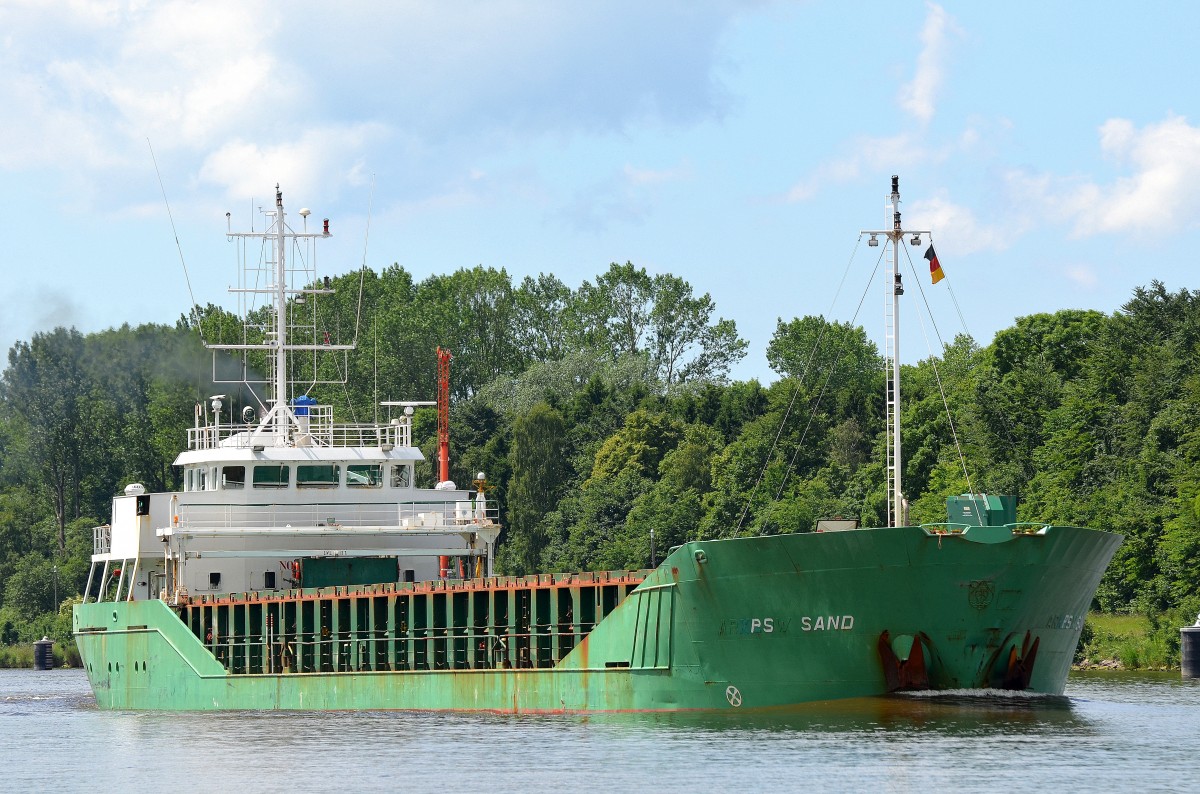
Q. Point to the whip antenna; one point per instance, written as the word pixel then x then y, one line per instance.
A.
pixel 178 247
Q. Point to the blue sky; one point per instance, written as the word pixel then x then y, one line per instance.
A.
pixel 1052 148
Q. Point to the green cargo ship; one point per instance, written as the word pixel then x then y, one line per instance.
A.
pixel 300 568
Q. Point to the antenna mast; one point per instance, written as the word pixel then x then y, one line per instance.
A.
pixel 894 288
pixel 280 385
pixel 275 343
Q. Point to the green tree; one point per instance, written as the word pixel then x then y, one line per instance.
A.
pixel 541 307
pixel 639 446
pixel 29 591
pixel 833 357
pixel 686 345
pixel 45 385
pixel 538 467
pixel 614 313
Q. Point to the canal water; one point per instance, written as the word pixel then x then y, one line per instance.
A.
pixel 1110 732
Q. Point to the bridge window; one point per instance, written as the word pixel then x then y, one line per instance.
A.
pixel 364 475
pixel 233 477
pixel 401 476
pixel 321 475
pixel 271 476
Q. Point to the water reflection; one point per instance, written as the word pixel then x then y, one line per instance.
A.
pixel 961 713
pixel 1112 731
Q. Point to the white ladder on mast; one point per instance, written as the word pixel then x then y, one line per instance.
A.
pixel 889 368
pixel 893 235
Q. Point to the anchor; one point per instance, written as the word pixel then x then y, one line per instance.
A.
pixel 1020 665
pixel 909 673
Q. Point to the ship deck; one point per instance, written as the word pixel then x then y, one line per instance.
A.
pixel 487 623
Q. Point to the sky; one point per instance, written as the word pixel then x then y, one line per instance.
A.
pixel 1053 149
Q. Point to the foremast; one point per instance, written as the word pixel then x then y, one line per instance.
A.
pixel 893 288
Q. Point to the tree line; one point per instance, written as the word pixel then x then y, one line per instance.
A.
pixel 608 427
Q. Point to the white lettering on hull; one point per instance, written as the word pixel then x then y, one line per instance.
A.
pixel 827 623
pixel 775 625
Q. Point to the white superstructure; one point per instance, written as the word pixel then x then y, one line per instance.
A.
pixel 262 497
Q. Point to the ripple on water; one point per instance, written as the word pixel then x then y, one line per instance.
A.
pixel 1110 731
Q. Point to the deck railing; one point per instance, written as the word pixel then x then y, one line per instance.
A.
pixel 402 515
pixel 316 428
pixel 102 539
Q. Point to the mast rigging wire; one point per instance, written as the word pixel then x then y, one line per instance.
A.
pixel 828 377
pixel 178 246
pixel 962 459
pixel 796 391
pixel 837 360
pixel 362 274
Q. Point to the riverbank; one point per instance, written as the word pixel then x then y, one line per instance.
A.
pixel 21 655
pixel 1129 642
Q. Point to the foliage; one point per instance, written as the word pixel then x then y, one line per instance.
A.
pixel 1133 642
pixel 537 464
pixel 603 418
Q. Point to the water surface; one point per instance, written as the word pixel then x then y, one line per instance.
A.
pixel 1110 732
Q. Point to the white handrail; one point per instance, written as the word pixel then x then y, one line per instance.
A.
pixel 402 515
pixel 322 432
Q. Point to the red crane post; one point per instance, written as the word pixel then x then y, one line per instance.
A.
pixel 443 357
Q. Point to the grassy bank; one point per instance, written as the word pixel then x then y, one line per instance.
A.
pixel 1130 642
pixel 65 655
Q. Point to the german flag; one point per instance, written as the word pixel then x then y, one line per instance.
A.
pixel 935 267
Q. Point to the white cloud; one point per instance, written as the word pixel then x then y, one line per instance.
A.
pixel 1044 197
pixel 1159 194
pixel 93 80
pixel 1163 191
pixel 520 66
pixel 958 231
pixel 320 158
pixel 647 176
pixel 868 154
pixel 417 83
pixel 903 150
pixel 1082 276
pixel 918 97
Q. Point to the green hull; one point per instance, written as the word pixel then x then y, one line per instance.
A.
pixel 746 623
